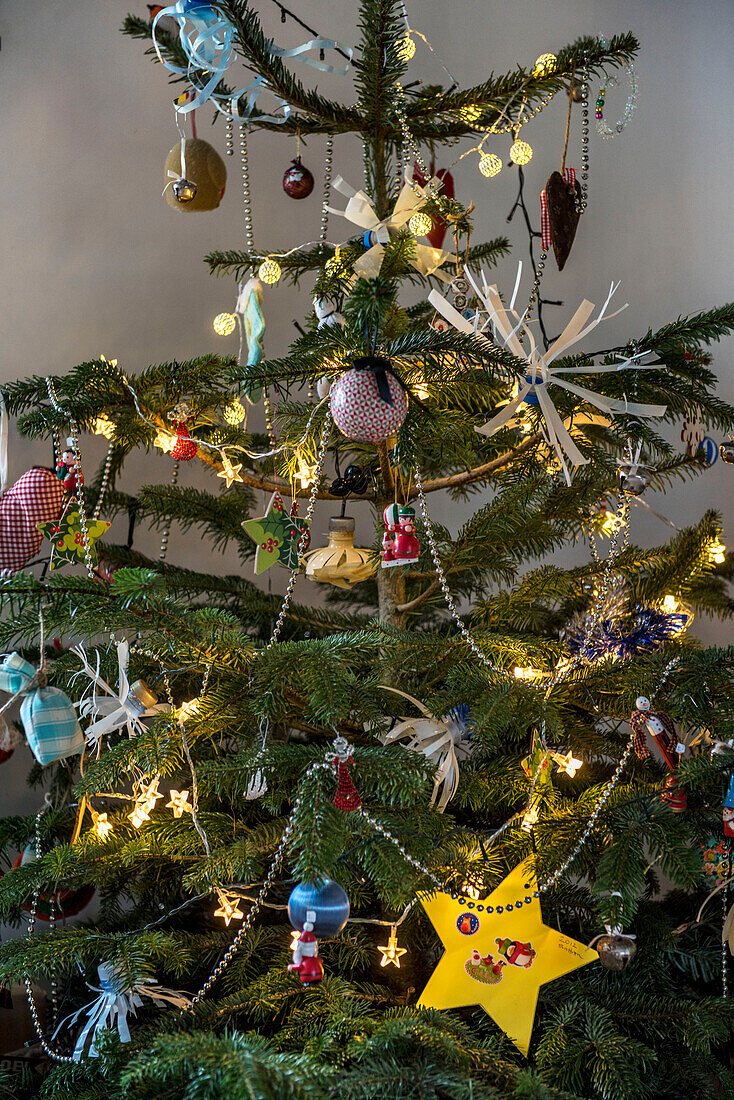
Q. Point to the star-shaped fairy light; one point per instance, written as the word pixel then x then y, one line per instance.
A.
pixel 67 539
pixel 498 954
pixel 187 709
pixel 229 472
pixel 179 803
pixel 229 908
pixel 164 440
pixel 568 763
pixel 305 473
pixel 102 826
pixel 532 390
pixel 391 953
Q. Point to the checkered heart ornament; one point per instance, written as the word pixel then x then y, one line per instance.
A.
pixel 37 497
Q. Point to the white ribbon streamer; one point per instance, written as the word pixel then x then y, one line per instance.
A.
pixel 534 387
pixel 117 707
pixel 360 211
pixel 112 1009
pixel 441 742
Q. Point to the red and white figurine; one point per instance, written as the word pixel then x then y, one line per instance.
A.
pixel 66 471
pixel 306 962
pixel 400 545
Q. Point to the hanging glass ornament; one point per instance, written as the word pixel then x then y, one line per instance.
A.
pixel 298 180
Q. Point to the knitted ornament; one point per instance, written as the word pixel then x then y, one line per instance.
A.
pixel 184 448
pixel 35 498
pixel 368 402
pixel 203 167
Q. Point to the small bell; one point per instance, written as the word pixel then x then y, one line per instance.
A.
pixel 183 190
pixel 615 951
pixel 633 478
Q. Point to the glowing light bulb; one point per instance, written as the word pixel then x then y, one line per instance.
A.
pixel 164 440
pixel 104 426
pixel 179 803
pixel 530 818
pixel 187 709
pixel 295 937
pixel 545 65
pixel 224 324
pixel 406 48
pixel 670 605
pixel 420 224
pixel 521 152
pixel 139 814
pixel 391 953
pixel 234 413
pixel 269 271
pixel 490 164
pixel 569 763
pixel 421 391
pixel 470 891
pixel 528 673
pixel 470 113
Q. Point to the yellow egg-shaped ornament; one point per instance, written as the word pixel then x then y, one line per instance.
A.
pixel 420 224
pixel 521 152
pixel 545 64
pixel 490 164
pixel 234 413
pixel 204 172
pixel 269 271
pixel 406 48
pixel 224 324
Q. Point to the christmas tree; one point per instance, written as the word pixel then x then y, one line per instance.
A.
pixel 449 832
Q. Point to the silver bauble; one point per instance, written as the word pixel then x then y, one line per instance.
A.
pixel 183 190
pixel 633 479
pixel 726 452
pixel 615 952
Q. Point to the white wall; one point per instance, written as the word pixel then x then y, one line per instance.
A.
pixel 96 262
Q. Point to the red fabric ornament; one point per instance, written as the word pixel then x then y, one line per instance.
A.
pixel 347 795
pixel 67 903
pixel 36 497
pixel 297 181
pixel 184 448
pixel 438 232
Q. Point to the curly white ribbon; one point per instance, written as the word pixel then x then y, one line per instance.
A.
pixel 534 387
pixel 112 1009
pixel 118 707
pixel 437 739
pixel 360 211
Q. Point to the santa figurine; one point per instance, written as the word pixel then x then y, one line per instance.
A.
pixel 729 810
pixel 66 470
pixel 306 962
pixel 644 720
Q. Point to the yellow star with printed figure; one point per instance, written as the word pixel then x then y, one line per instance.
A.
pixel 499 953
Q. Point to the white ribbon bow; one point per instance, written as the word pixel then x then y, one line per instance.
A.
pixel 361 212
pixel 117 708
pixel 112 1009
pixel 541 375
pixel 441 740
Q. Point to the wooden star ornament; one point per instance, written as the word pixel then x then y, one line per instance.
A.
pixel 499 953
pixel 277 535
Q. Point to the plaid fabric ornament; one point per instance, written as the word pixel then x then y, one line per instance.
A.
pixel 15 674
pixel 51 725
pixel 35 498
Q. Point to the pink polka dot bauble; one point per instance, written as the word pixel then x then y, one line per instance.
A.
pixel 360 413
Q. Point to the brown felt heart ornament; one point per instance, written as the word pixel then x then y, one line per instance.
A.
pixel 563 201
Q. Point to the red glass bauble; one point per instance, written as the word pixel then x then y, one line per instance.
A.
pixel 297 181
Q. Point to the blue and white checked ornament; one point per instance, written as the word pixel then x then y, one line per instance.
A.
pixel 51 725
pixel 15 674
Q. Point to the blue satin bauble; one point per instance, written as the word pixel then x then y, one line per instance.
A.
pixel 328 901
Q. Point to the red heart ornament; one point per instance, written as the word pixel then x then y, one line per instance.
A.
pixel 36 497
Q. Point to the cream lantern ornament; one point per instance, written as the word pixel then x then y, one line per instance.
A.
pixel 340 563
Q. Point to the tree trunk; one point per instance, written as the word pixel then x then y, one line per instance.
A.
pixel 391 592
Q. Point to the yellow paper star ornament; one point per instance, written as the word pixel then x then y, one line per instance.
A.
pixel 498 954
